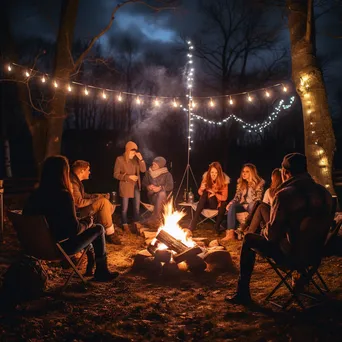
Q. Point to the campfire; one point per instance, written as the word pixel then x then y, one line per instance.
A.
pixel 173 248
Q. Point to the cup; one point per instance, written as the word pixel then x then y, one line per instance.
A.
pixel 113 197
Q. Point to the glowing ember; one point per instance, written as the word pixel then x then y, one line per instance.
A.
pixel 171 226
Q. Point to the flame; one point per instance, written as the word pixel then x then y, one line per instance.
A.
pixel 171 226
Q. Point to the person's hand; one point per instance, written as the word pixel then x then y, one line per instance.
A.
pixel 228 205
pixel 138 155
pixel 203 185
pixel 89 221
pixel 106 196
pixel 156 188
pixel 211 193
pixel 134 178
pixel 150 187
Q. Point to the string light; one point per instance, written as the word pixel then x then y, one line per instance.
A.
pixel 174 103
pixel 138 101
pixel 284 89
pixel 55 84
pixel 267 93
pixel 257 127
pixel 69 88
pixel 86 91
pixel 104 95
pixel 43 79
pixel 27 74
pixel 211 103
pixel 249 98
pixel 156 102
pixel 9 68
pixel 231 101
pixel 120 98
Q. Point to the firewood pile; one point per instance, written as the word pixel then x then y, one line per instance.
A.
pixel 166 255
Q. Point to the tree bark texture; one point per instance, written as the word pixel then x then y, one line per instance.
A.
pixel 318 131
pixel 63 67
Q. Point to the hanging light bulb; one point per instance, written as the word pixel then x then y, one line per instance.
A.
pixel 27 74
pixel 120 98
pixel 9 68
pixel 43 79
pixel 249 98
pixel 231 101
pixel 86 91
pixel 193 104
pixel 284 89
pixel 267 94
pixel 156 102
pixel 211 103
pixel 138 101
pixel 104 95
pixel 69 88
pixel 55 84
pixel 174 103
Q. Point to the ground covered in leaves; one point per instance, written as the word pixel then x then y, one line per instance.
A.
pixel 148 307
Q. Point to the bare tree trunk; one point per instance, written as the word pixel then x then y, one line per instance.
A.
pixel 307 76
pixel 63 67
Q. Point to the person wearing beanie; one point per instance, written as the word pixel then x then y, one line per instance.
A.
pixel 158 182
pixel 127 170
pixel 301 216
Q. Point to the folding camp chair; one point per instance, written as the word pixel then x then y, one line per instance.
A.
pixel 309 273
pixel 150 207
pixel 37 241
pixel 208 214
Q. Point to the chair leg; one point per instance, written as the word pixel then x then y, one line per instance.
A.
pixel 75 267
pixel 325 286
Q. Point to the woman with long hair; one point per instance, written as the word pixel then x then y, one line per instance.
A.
pixel 249 190
pixel 53 199
pixel 213 192
pixel 261 213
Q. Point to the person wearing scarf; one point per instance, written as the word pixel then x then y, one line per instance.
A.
pixel 158 182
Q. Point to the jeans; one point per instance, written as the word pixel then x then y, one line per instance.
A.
pixel 158 199
pixel 94 235
pixel 247 257
pixel 236 208
pixel 102 209
pixel 204 203
pixel 136 206
pixel 260 215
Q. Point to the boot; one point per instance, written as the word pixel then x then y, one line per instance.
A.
pixel 113 239
pixel 230 235
pixel 242 294
pixel 126 228
pixel 91 263
pixel 102 273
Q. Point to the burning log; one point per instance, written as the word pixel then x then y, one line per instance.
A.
pixel 187 255
pixel 171 242
pixel 163 255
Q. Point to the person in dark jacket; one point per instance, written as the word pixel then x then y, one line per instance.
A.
pixel 96 205
pixel 54 200
pixel 158 182
pixel 301 215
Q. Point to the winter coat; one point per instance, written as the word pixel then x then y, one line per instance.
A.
pixel 300 218
pixel 124 168
pixel 221 194
pixel 59 210
pixel 160 177
pixel 81 198
pixel 256 193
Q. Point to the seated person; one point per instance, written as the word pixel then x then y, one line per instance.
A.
pixel 213 192
pixel 54 200
pixel 249 190
pixel 261 212
pixel 96 205
pixel 158 182
pixel 300 220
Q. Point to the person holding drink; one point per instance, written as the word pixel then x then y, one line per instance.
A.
pixel 127 170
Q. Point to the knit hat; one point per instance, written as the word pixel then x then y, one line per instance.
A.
pixel 160 161
pixel 295 163
pixel 131 146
